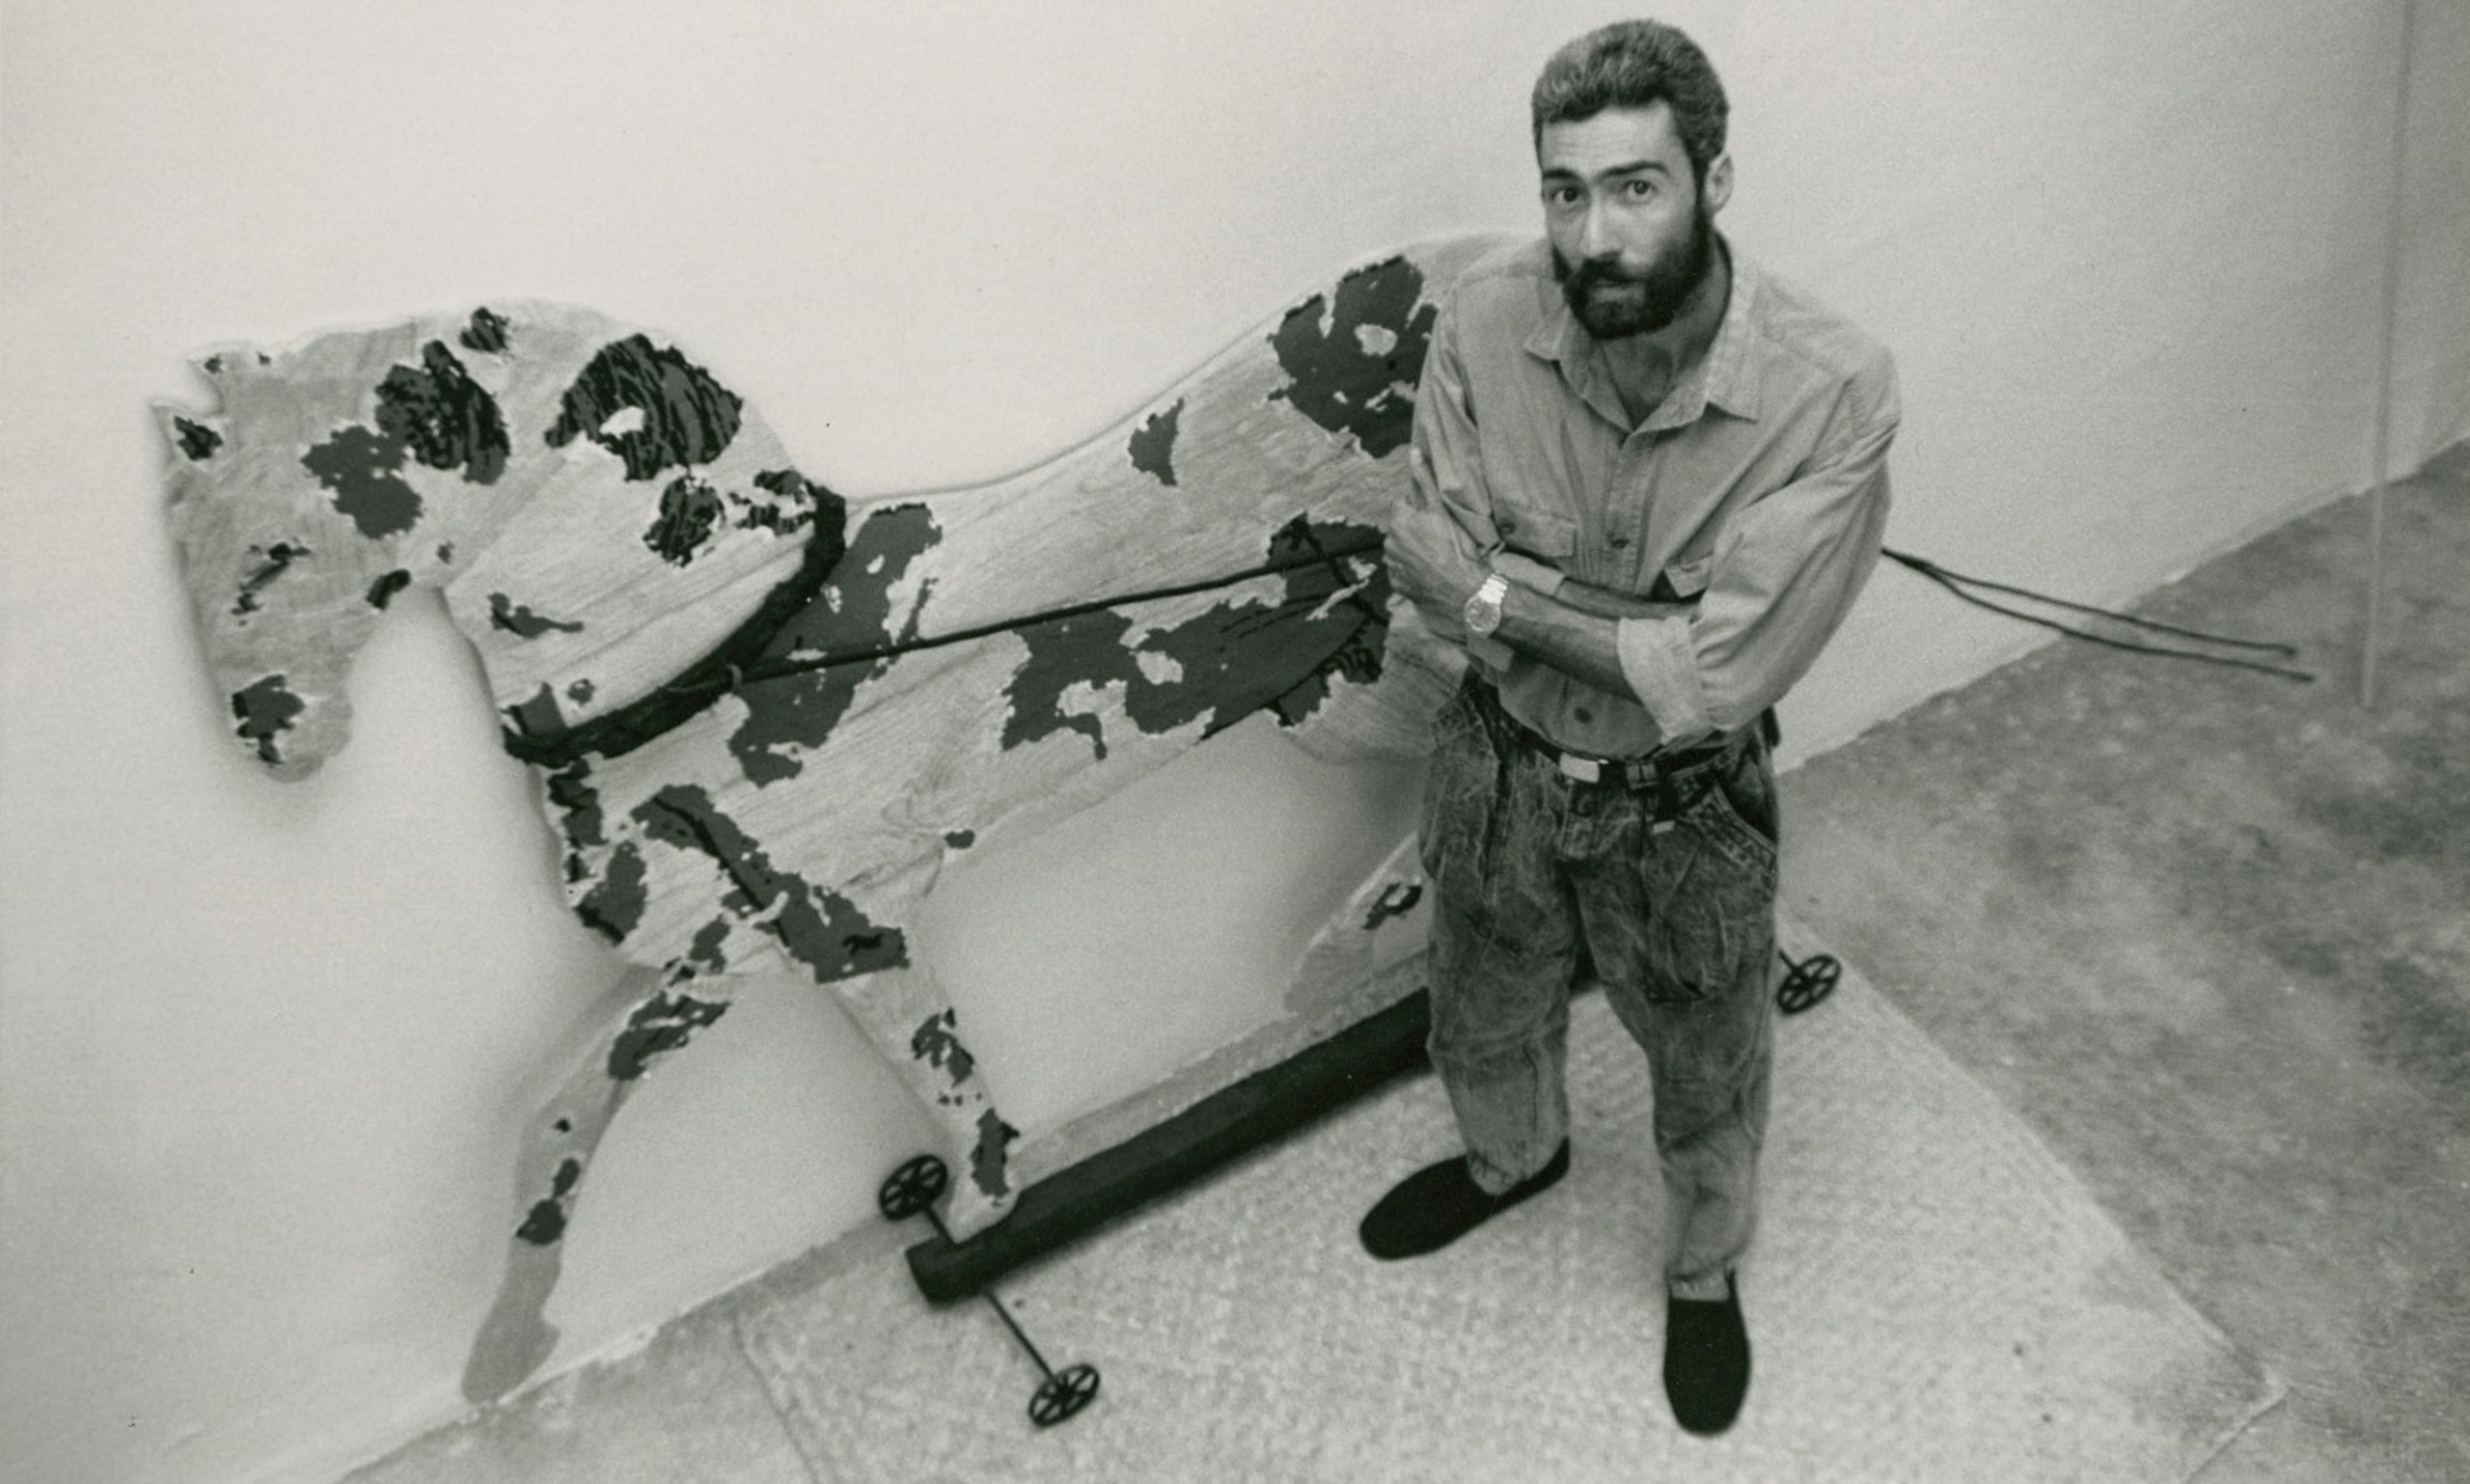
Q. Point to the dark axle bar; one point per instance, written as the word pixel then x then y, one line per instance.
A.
pixel 1267 1105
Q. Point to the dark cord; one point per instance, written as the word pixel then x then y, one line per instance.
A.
pixel 1318 556
pixel 1953 583
pixel 1929 569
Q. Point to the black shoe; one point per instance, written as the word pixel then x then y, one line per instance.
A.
pixel 1706 1360
pixel 1440 1203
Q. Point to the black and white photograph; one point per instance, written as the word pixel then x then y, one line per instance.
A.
pixel 1310 742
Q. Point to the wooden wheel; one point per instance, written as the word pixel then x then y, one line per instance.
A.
pixel 912 1188
pixel 1810 982
pixel 1064 1392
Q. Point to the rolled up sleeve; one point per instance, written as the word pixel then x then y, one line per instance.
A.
pixel 1448 496
pixel 1786 570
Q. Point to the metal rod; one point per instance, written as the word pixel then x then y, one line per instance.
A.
pixel 995 1303
pixel 2384 363
pixel 1005 1314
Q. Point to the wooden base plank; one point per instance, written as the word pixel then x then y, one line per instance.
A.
pixel 1111 1185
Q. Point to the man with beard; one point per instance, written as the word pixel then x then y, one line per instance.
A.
pixel 1649 480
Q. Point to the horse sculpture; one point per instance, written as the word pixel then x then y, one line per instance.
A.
pixel 762 716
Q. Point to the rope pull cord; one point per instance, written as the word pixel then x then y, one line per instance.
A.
pixel 724 673
pixel 1959 585
pixel 733 667
pixel 1315 553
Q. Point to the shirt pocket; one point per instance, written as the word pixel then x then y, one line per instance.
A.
pixel 1548 536
pixel 1688 579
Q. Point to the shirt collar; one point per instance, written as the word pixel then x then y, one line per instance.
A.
pixel 1725 375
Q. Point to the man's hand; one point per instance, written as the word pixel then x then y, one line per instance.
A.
pixel 1428 564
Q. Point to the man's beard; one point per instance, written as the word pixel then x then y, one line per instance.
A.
pixel 1642 302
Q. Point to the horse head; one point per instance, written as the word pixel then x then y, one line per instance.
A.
pixel 462 452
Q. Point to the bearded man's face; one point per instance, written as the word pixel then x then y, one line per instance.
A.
pixel 1631 229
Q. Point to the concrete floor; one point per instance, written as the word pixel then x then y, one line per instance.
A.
pixel 2208 933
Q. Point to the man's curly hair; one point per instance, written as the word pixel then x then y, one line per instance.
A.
pixel 1631 64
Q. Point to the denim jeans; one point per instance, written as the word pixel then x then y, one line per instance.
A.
pixel 1666 895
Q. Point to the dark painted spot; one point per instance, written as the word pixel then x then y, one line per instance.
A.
pixel 266 709
pixel 544 1224
pixel 661 1024
pixel 359 466
pixel 937 1046
pixel 790 507
pixel 581 692
pixel 1396 901
pixel 537 717
pixel 987 1161
pixel 197 440
pixel 615 904
pixel 446 418
pixel 565 1125
pixel 704 953
pixel 521 622
pixel 688 510
pixel 546 1221
pixel 960 839
pixel 1064 652
pixel 687 418
pixel 446 551
pixel 571 789
pixel 213 365
pixel 1355 362
pixel 1153 445
pixel 486 333
pixel 852 612
pixel 272 563
pixel 820 928
pixel 1223 664
pixel 382 592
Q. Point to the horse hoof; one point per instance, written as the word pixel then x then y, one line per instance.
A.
pixel 509 1347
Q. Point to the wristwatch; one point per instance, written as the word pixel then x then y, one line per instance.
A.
pixel 1483 612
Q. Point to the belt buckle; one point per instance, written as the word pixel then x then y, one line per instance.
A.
pixel 1587 770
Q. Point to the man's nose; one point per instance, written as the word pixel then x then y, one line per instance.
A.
pixel 1595 233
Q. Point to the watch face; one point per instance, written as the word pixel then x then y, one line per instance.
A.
pixel 1483 612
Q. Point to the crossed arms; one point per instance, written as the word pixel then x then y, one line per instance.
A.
pixel 1786 567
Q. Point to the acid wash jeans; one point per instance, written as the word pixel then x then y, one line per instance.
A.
pixel 1669 891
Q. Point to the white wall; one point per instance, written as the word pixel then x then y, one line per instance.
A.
pixel 262 1050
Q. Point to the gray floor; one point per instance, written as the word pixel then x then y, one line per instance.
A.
pixel 2206 931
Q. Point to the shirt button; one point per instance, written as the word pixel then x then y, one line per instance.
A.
pixel 1583 714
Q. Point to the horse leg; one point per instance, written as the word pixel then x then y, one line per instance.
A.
pixel 653 1019
pixel 905 1013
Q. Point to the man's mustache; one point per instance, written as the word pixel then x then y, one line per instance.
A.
pixel 1600 273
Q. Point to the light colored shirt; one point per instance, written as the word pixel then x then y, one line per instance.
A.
pixel 1758 486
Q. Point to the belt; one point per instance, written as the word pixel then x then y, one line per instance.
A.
pixel 1658 769
pixel 1632 772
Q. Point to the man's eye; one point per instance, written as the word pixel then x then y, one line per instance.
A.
pixel 1562 196
pixel 1638 190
